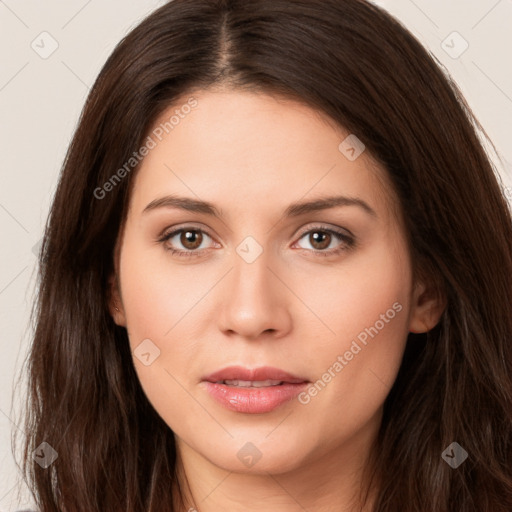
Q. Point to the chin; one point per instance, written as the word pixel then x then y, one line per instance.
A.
pixel 258 457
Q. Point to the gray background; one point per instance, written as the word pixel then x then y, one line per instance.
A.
pixel 41 97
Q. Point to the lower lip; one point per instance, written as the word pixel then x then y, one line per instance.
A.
pixel 253 400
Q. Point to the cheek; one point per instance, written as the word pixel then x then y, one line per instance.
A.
pixel 160 355
pixel 157 294
pixel 366 307
pixel 352 296
pixel 161 301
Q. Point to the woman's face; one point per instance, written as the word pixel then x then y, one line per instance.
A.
pixel 263 283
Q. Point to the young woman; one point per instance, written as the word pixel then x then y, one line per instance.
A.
pixel 276 276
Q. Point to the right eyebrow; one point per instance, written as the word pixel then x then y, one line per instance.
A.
pixel 184 203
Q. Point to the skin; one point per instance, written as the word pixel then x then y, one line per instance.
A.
pixel 252 155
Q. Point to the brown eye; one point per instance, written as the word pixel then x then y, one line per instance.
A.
pixel 185 241
pixel 319 239
pixel 191 239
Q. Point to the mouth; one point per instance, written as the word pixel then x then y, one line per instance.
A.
pixel 251 384
pixel 257 377
pixel 253 391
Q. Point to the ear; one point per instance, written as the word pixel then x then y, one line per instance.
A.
pixel 115 304
pixel 427 306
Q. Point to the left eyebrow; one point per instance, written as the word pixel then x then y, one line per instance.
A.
pixel 293 210
pixel 324 203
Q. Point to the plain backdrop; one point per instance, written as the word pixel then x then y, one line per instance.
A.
pixel 42 94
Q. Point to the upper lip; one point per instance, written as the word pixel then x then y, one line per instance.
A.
pixel 253 374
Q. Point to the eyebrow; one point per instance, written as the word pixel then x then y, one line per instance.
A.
pixel 293 210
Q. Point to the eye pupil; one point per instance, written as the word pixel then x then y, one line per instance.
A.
pixel 319 237
pixel 188 237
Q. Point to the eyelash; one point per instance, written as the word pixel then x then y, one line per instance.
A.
pixel 348 241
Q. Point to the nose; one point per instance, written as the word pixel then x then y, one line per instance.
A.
pixel 255 301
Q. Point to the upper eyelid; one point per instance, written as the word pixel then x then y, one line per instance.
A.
pixel 173 230
pixel 325 227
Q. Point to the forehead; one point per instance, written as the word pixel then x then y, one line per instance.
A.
pixel 244 150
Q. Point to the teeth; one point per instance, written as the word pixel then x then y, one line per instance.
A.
pixel 253 383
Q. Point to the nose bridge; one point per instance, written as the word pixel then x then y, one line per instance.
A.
pixel 251 274
pixel 251 284
pixel 255 301
pixel 251 277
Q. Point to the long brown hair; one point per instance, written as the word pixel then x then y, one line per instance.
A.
pixel 353 61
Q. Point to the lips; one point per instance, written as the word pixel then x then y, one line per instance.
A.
pixel 253 391
pixel 265 373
